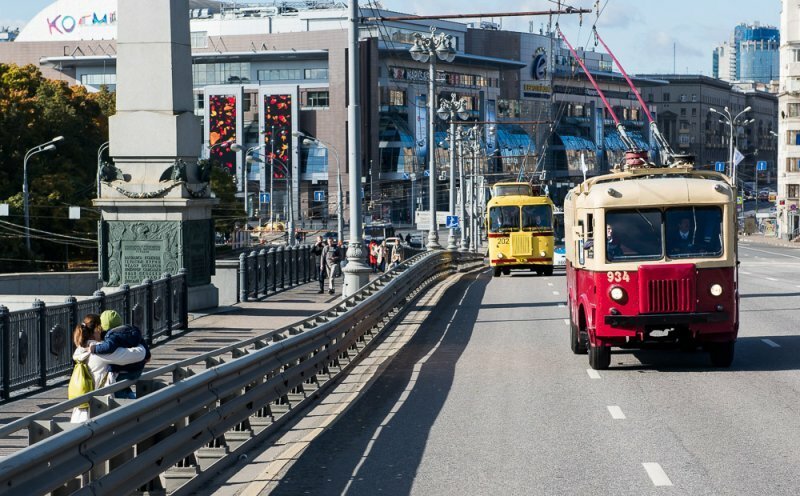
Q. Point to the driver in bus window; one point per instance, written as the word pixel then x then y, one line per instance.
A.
pixel 612 244
pixel 682 236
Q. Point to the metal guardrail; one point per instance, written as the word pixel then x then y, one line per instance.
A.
pixel 175 434
pixel 36 346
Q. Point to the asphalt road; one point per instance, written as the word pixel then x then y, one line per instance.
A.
pixel 490 400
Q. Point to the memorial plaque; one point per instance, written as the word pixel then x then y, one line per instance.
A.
pixel 141 260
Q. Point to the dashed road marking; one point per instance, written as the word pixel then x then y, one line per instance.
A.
pixel 771 343
pixel 593 374
pixel 770 279
pixel 556 293
pixel 657 474
pixel 770 252
pixel 566 321
pixel 744 273
pixel 616 412
pixel 549 283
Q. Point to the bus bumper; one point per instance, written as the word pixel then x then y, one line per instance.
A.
pixel 665 319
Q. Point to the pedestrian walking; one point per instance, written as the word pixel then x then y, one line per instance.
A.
pixel 373 255
pixel 331 257
pixel 317 251
pixel 383 256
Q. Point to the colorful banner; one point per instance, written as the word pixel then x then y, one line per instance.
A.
pixel 421 128
pixel 222 128
pixel 278 133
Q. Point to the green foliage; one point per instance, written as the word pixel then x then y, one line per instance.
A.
pixel 34 110
pixel 228 211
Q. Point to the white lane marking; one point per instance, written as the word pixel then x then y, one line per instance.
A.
pixel 771 343
pixel 771 279
pixel 566 321
pixel 616 412
pixel 657 474
pixel 556 293
pixel 593 374
pixel 562 305
pixel 770 252
pixel 744 273
pixel 549 283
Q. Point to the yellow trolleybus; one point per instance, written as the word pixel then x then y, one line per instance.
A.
pixel 520 228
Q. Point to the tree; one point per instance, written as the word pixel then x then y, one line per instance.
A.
pixel 33 110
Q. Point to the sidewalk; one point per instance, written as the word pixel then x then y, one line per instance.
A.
pixel 207 332
pixel 760 239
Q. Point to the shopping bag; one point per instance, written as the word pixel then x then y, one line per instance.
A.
pixel 80 383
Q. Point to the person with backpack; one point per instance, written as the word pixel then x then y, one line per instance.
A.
pixel 85 334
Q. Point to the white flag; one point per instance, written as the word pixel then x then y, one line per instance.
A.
pixel 583 167
pixel 737 156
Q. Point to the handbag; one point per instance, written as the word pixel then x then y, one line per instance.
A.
pixel 80 383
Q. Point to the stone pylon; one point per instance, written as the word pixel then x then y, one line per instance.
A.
pixel 156 201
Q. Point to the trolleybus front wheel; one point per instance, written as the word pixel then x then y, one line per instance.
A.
pixel 497 272
pixel 548 270
pixel 721 354
pixel 599 357
pixel 576 341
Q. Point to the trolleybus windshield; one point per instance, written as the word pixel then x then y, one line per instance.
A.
pixel 536 218
pixel 694 232
pixel 504 219
pixel 643 234
pixel 512 189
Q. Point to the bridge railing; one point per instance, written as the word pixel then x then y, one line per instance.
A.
pixel 195 417
pixel 36 344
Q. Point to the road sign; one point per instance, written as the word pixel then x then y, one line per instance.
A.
pixel 793 207
pixel 263 198
pixel 426 173
pixel 406 177
pixel 319 196
pixel 737 156
pixel 3 209
pixel 739 200
pixel 761 165
pixel 452 222
pixel 719 166
pixel 74 213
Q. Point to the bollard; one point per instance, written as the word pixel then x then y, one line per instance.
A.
pixel 41 330
pixel 5 339
pixel 242 278
pixel 252 275
pixel 282 265
pixel 262 274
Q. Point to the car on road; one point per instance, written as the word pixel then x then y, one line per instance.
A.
pixel 560 256
pixel 330 235
pixel 763 194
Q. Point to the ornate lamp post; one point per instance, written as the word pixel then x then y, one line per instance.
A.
pixel 732 122
pixel 449 110
pixel 428 49
pixel 308 140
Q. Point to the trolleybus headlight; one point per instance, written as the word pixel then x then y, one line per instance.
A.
pixel 716 290
pixel 543 253
pixel 500 255
pixel 617 293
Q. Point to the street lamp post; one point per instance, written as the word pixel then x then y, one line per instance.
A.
pixel 44 147
pixel 732 123
pixel 449 110
pixel 427 49
pixel 290 209
pixel 308 140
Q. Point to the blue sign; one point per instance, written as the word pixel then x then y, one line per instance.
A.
pixel 719 166
pixel 406 177
pixel 319 196
pixel 452 222
pixel 761 165
pixel 263 198
pixel 427 173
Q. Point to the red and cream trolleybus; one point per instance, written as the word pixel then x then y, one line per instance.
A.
pixel 652 258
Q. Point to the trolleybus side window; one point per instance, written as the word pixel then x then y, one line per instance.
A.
pixel 694 232
pixel 504 219
pixel 536 218
pixel 589 236
pixel 634 235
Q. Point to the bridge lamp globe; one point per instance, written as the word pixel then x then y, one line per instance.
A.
pixel 418 53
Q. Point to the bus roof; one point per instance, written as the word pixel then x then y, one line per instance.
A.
pixel 653 190
pixel 519 200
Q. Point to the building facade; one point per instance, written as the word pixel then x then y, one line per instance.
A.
pixel 751 55
pixel 789 123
